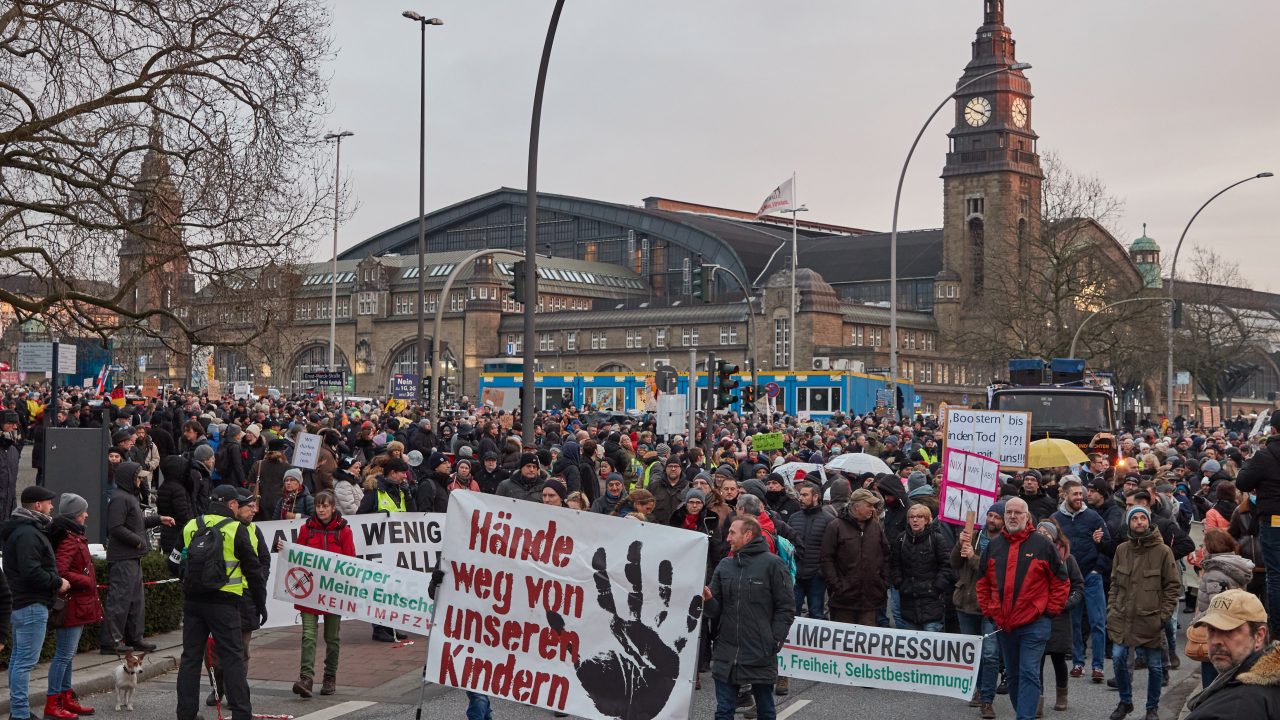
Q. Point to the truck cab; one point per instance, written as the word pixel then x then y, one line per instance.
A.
pixel 1062 403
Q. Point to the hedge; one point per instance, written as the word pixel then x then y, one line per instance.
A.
pixel 163 604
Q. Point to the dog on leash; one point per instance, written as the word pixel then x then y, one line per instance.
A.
pixel 127 679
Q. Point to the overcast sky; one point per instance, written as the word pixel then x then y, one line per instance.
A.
pixel 718 101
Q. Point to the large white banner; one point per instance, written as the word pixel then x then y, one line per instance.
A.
pixel 371 591
pixel 864 656
pixel 410 541
pixel 587 614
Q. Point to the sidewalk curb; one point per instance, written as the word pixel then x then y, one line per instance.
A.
pixel 101 679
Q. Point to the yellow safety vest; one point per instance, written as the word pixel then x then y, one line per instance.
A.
pixel 386 503
pixel 236 581
pixel 929 459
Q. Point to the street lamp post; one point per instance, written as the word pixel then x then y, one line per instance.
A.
pixel 791 329
pixel 1173 274
pixel 337 190
pixel 897 199
pixel 423 22
pixel 527 378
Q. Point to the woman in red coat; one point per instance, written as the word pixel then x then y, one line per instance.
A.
pixel 83 606
pixel 325 530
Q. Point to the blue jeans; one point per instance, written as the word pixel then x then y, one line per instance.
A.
pixel 1022 648
pixel 926 627
pixel 478 706
pixel 1270 537
pixel 63 654
pixel 895 600
pixel 1155 673
pixel 1095 601
pixel 28 637
pixel 813 591
pixel 727 700
pixel 1171 634
pixel 1208 673
pixel 990 667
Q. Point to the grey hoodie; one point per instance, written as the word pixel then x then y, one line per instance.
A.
pixel 1221 571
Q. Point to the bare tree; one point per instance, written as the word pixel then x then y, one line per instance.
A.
pixel 1217 340
pixel 1054 278
pixel 189 128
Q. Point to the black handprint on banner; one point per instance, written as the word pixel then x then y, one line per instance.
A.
pixel 634 681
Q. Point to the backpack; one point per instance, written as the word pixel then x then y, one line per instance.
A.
pixel 203 567
pixel 786 551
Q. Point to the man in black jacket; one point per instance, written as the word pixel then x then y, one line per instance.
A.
pixel 754 623
pixel 217 613
pixel 10 450
pixel 32 575
pixel 127 528
pixel 490 476
pixel 1261 476
pixel 1248 683
pixel 809 524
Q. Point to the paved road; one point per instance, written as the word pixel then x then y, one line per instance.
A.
pixel 396 694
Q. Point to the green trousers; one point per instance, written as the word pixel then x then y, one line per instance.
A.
pixel 332 642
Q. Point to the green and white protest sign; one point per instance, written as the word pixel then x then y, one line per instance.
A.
pixel 766 441
pixel 864 656
pixel 375 592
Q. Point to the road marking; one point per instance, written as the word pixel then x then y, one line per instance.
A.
pixel 791 709
pixel 338 710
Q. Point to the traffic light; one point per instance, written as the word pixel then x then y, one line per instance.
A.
pixel 1177 314
pixel 748 394
pixel 517 281
pixel 698 281
pixel 725 384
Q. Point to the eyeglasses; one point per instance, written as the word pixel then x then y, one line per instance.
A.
pixel 1014 512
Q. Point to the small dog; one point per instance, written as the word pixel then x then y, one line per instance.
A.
pixel 127 679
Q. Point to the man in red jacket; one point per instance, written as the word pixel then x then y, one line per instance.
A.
pixel 1023 584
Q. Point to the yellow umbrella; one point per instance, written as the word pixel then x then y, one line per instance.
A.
pixel 1054 452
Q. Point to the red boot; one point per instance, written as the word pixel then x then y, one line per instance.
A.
pixel 70 704
pixel 53 708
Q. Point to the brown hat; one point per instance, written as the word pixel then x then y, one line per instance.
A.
pixel 864 495
pixel 1230 609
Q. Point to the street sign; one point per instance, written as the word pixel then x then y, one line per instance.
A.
pixel 116 368
pixel 665 378
pixel 404 386
pixel 336 377
pixel 671 415
pixel 772 389
pixel 38 357
pixel 878 371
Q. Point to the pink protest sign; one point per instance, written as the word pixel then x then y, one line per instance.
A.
pixel 969 484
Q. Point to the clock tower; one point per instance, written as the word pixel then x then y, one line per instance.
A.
pixel 991 180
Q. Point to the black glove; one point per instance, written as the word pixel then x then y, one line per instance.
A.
pixel 262 617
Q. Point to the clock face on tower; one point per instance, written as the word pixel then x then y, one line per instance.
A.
pixel 1020 112
pixel 977 111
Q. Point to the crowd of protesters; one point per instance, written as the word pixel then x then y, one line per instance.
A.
pixel 1103 544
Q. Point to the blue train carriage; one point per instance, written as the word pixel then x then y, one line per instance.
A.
pixel 819 395
pixel 501 390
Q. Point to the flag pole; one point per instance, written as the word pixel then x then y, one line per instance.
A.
pixel 791 328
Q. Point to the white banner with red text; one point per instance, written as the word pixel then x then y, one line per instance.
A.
pixel 572 611
pixel 371 591
pixel 867 656
pixel 409 541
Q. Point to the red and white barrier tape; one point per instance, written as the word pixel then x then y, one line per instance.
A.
pixel 149 582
